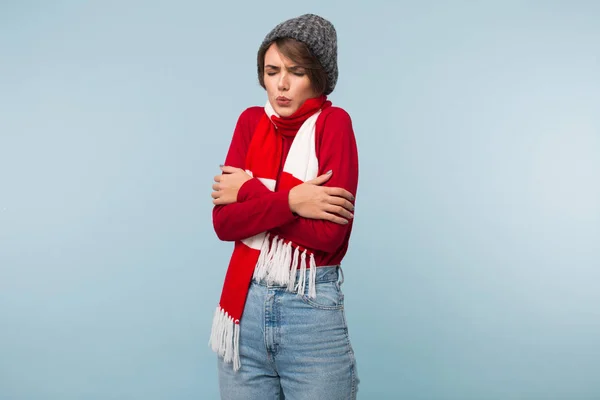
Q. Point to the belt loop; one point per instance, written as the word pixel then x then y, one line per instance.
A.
pixel 341 273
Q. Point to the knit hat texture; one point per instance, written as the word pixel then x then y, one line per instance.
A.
pixel 320 37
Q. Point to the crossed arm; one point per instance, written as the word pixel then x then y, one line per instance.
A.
pixel 314 214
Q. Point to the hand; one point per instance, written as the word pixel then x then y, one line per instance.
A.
pixel 228 184
pixel 311 200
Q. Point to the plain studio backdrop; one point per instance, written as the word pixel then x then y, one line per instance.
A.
pixel 474 265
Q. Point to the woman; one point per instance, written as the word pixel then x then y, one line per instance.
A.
pixel 285 197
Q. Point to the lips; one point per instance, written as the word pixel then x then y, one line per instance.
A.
pixel 283 101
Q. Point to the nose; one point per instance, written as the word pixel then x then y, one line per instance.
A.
pixel 284 83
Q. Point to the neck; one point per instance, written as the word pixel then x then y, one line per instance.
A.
pixel 288 126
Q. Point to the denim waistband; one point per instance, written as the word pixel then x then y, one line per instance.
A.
pixel 324 274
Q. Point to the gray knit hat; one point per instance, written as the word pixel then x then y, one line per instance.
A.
pixel 319 36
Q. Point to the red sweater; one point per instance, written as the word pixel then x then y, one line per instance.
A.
pixel 258 209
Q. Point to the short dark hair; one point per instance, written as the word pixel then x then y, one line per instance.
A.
pixel 299 53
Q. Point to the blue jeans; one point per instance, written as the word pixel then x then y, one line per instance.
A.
pixel 293 347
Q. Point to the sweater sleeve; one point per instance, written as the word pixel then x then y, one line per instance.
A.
pixel 338 152
pixel 244 219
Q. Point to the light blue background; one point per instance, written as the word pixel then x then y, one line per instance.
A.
pixel 474 268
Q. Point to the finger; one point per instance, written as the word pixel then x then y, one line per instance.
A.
pixel 223 200
pixel 339 210
pixel 334 218
pixel 219 200
pixel 217 178
pixel 321 179
pixel 215 195
pixel 340 201
pixel 229 170
pixel 216 186
pixel 336 191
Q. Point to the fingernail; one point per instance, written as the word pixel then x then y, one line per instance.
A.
pixel 329 172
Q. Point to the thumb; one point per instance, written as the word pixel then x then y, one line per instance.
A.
pixel 321 179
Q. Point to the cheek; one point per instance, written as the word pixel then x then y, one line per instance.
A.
pixel 270 83
pixel 305 88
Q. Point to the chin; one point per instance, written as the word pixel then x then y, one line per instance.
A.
pixel 284 111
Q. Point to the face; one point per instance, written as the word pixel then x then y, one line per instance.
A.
pixel 287 84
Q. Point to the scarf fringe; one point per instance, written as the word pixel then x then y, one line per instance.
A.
pixel 312 291
pixel 266 253
pixel 293 271
pixel 278 265
pixel 225 338
pixel 302 281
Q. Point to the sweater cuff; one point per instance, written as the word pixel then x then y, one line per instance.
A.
pixel 250 189
pixel 281 207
